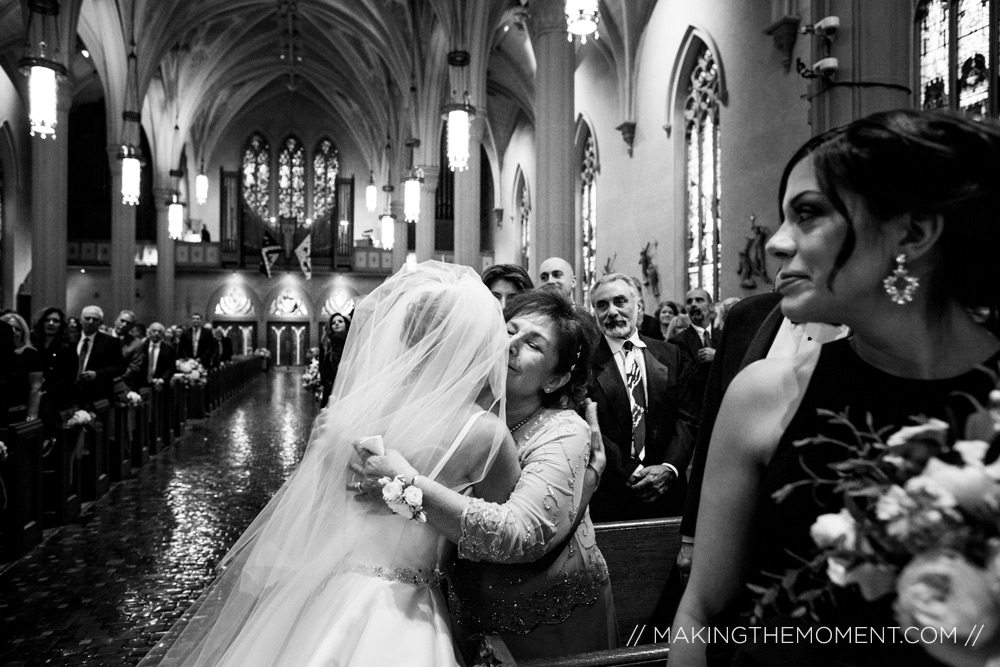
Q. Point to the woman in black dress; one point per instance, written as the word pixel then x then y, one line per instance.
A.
pixel 50 336
pixel 331 350
pixel 25 382
pixel 900 195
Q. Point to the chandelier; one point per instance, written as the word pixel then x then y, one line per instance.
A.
pixel 411 187
pixel 582 18
pixel 129 155
pixel 459 115
pixel 175 217
pixel 39 64
pixel 201 185
pixel 371 193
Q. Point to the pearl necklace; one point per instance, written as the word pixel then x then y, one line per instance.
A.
pixel 524 421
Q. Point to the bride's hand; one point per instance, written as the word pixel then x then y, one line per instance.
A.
pixel 598 459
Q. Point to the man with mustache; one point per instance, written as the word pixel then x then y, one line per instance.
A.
pixel 643 408
pixel 700 340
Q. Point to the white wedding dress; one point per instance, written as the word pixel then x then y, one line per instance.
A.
pixel 322 580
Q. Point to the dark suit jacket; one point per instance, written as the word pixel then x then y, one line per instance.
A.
pixel 206 346
pixel 133 352
pixel 166 362
pixel 107 362
pixel 690 342
pixel 669 430
pixel 6 368
pixel 750 329
pixel 221 355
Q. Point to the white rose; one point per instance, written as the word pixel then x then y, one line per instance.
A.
pixel 392 489
pixel 836 570
pixel 893 504
pixel 925 485
pixel 973 451
pixel 835 530
pixel 970 487
pixel 413 496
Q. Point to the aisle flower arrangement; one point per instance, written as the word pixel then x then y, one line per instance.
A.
pixel 190 373
pixel 921 522
pixel 311 379
pixel 131 400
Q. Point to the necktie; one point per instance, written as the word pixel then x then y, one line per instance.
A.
pixel 84 349
pixel 706 340
pixel 154 350
pixel 637 397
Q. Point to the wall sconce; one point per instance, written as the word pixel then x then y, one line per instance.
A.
pixel 201 185
pixel 131 174
pixel 175 217
pixel 388 220
pixel 371 193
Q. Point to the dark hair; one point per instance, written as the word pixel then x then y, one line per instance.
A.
pixel 574 336
pixel 666 304
pixel 509 272
pixel 67 320
pixel 38 331
pixel 926 163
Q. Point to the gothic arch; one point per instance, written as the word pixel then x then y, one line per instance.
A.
pixel 254 308
pixel 695 37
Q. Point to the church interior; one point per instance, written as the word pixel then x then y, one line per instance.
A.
pixel 267 163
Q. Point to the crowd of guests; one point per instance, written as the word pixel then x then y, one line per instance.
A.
pixel 60 362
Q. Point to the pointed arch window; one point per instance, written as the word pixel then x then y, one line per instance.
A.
pixel 701 134
pixel 292 179
pixel 523 198
pixel 588 214
pixel 257 175
pixel 957 53
pixel 326 166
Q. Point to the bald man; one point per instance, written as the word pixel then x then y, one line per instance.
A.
pixel 557 273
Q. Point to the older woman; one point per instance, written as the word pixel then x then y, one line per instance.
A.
pixel 548 594
pixel 27 376
pixel 889 226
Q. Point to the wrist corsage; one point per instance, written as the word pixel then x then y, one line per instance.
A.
pixel 403 498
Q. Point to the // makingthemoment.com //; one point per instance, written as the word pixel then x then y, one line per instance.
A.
pixel 798 635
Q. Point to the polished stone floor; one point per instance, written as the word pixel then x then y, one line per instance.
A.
pixel 105 589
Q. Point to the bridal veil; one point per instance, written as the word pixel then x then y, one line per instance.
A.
pixel 427 349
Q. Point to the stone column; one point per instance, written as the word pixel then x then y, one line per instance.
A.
pixel 399 249
pixel 425 228
pixel 468 199
pixel 554 232
pixel 122 240
pixel 165 259
pixel 49 176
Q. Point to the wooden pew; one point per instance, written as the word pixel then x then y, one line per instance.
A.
pixel 61 473
pixel 143 425
pixel 640 556
pixel 21 474
pixel 95 465
pixel 120 441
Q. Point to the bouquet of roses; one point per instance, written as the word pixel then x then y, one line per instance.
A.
pixel 922 522
pixel 81 418
pixel 190 372
pixel 311 379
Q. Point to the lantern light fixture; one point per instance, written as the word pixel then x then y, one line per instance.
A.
pixel 201 185
pixel 131 174
pixel 388 220
pixel 459 114
pixel 175 217
pixel 411 187
pixel 41 65
pixel 371 193
pixel 582 17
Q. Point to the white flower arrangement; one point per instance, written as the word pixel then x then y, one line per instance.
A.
pixel 190 372
pixel 311 379
pixel 3 451
pixel 81 418
pixel 132 399
pixel 263 352
pixel 404 499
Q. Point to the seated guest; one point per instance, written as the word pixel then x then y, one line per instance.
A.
pixel 222 348
pixel 643 409
pixel 503 280
pixel 59 362
pixel 159 358
pixel 25 381
pixel 132 349
pixel 99 358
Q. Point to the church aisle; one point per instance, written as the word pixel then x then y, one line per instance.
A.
pixel 105 589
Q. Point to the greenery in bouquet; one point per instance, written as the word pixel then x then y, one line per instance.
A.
pixel 311 379
pixel 190 373
pixel 921 522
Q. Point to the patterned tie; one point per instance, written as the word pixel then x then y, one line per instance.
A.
pixel 637 397
pixel 84 349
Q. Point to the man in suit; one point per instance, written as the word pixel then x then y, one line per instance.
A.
pixel 699 340
pixel 99 356
pixel 132 349
pixel 222 350
pixel 196 342
pixel 159 357
pixel 755 329
pixel 643 410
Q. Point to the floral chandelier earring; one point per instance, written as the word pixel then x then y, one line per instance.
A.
pixel 901 278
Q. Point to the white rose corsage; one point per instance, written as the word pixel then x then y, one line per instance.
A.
pixel 402 498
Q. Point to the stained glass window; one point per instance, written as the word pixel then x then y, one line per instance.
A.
pixel 326 165
pixel 955 43
pixel 524 218
pixel 257 175
pixel 292 180
pixel 701 132
pixel 235 301
pixel 588 214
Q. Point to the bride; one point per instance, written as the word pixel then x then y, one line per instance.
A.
pixel 319 579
